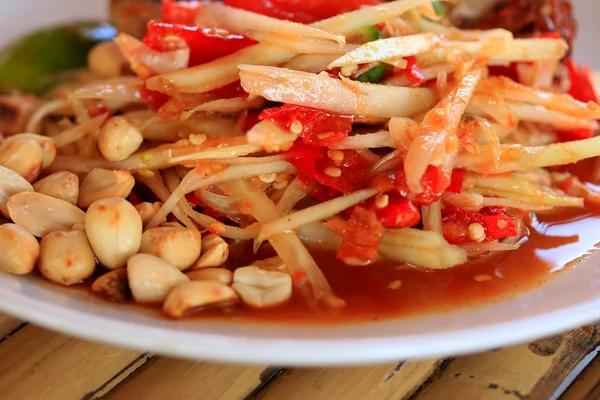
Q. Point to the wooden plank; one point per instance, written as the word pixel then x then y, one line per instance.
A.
pixel 397 381
pixel 165 379
pixel 8 325
pixel 39 364
pixel 533 371
pixel 587 384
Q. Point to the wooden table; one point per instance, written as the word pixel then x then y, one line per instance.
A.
pixel 38 364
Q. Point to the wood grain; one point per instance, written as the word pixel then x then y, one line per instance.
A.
pixel 38 364
pixel 394 381
pixel 8 325
pixel 531 371
pixel 166 379
pixel 587 384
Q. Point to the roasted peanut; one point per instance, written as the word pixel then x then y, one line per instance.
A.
pixel 177 245
pixel 47 144
pixel 119 138
pixel 105 60
pixel 212 274
pixel 19 249
pixel 261 289
pixel 193 296
pixel 24 156
pixel 62 185
pixel 148 210
pixel 270 264
pixel 102 184
pixel 113 285
pixel 114 229
pixel 40 214
pixel 11 183
pixel 66 257
pixel 152 278
pixel 215 252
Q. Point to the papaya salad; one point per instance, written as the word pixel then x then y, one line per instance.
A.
pixel 198 160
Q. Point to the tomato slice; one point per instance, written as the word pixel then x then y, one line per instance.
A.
pixel 361 236
pixel 496 223
pixel 304 11
pixel 205 44
pixel 399 213
pixel 318 127
pixel 582 86
pixel 315 162
pixel 180 12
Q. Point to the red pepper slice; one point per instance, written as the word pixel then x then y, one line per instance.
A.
pixel 313 161
pixel 304 11
pixel 319 128
pixel 205 44
pixel 496 222
pixel 361 236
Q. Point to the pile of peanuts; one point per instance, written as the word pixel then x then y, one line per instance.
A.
pixel 90 228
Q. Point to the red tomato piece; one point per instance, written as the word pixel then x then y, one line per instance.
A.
pixel 152 98
pixel 361 236
pixel 205 44
pixel 496 222
pixel 510 71
pixel 314 162
pixel 434 183
pixel 180 12
pixel 319 128
pixel 304 11
pixel 399 213
pixel 412 71
pixel 456 181
pixel 582 86
pixel 574 134
pixel 195 202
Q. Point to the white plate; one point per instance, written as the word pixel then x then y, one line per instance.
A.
pixel 568 302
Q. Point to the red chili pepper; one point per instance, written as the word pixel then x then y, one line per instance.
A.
pixel 361 236
pixel 496 223
pixel 319 128
pixel 313 161
pixel 399 213
pixel 180 12
pixel 303 11
pixel 412 71
pixel 205 44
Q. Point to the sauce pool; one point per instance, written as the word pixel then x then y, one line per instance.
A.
pixel 388 291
